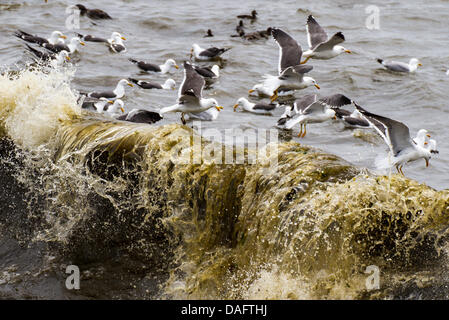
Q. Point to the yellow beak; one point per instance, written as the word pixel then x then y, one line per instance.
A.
pixel 428 135
pixel 251 91
pixel 67 58
pixel 219 108
pixel 176 66
pixel 63 36
pixel 110 101
pixel 426 143
pixel 123 110
pixel 130 84
pixel 82 43
pixel 348 51
pixel 420 64
pixel 317 86
pixel 235 107
pixel 123 38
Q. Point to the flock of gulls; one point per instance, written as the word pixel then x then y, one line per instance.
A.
pixel 292 70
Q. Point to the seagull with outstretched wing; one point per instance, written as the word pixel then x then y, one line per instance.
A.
pixel 310 109
pixel 190 95
pixel 397 136
pixel 291 72
pixel 320 46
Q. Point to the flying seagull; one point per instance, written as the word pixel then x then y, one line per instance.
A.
pixel 320 46
pixel 291 73
pixel 397 136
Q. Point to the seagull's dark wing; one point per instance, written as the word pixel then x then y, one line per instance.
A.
pixel 192 85
pixel 213 52
pixel 145 84
pixel 396 66
pixel 290 51
pixel 141 116
pixel 336 100
pixel 264 106
pixel 395 133
pixel 315 33
pixel 204 71
pixel 333 41
pixel 104 94
pixel 301 104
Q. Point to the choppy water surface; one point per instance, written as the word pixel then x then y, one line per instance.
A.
pixel 79 189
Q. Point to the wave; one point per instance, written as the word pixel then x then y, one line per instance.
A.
pixel 113 198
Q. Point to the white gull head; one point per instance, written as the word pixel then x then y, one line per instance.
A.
pixel 169 84
pixel 169 66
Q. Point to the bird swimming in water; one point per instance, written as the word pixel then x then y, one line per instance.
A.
pixel 395 66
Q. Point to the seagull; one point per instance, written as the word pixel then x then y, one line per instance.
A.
pixel 207 54
pixel 116 43
pixel 117 93
pixel 169 84
pixel 92 13
pixel 55 35
pixel 411 67
pixel 112 110
pixel 320 47
pixel 310 109
pixel 140 116
pixel 95 104
pixel 253 15
pixel 89 38
pixel 190 98
pixel 149 67
pixel 258 108
pixel 56 59
pixel 291 73
pixel 403 148
pixel 72 47
pixel 208 72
